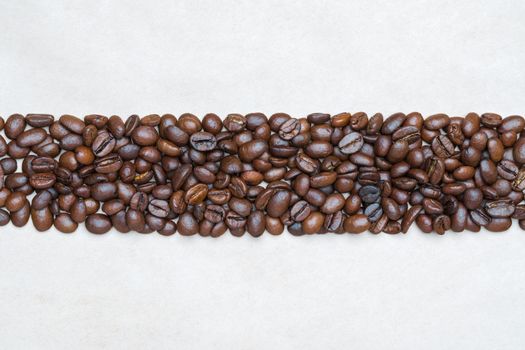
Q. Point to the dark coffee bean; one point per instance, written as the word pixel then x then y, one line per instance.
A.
pixel 39 120
pixel 109 164
pixel 443 147
pixel 103 144
pixel 491 119
pixel 333 203
pixel 104 191
pixel 351 143
pixel 240 206
pixel 424 223
pixel 374 212
pixel 42 219
pixel 14 126
pixel 20 217
pixel 500 208
pixel 41 181
pixel 432 206
pixel 300 211
pixel 196 194
pixel 15 201
pixel 499 224
pixel 507 170
pixel 441 224
pixel 251 150
pixel 203 141
pixel 65 224
pixel 356 223
pixel 256 223
pixel 410 216
pixel 369 194
pixel 145 135
pixel 234 220
pixel 278 203
pixel 159 208
pixel 31 137
pixel 437 121
pixel 480 217
pixel 334 222
pixel 98 223
pixel 289 129
pixel 72 123
pixel 135 220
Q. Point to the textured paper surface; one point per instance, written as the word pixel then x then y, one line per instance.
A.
pixel 414 291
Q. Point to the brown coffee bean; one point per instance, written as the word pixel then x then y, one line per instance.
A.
pixel 356 223
pixel 196 194
pixel 351 143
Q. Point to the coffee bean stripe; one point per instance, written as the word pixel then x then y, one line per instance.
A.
pixel 346 173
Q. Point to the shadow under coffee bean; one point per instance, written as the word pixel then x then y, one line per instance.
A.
pixel 347 173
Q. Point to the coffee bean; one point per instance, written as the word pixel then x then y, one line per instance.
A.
pixel 480 217
pixel 374 212
pixel 103 144
pixel 196 194
pixel 443 147
pixel 159 208
pixel 356 223
pixel 234 220
pixel 39 120
pixel 351 143
pixel 410 217
pixel 203 141
pixel 40 181
pixel 300 211
pixel 369 194
pixel 14 126
pixel 289 129
pixel 441 224
pixel 500 208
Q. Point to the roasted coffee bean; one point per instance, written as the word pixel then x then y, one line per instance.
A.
pixel 40 181
pixel 374 212
pixel 443 147
pixel 98 223
pixel 40 120
pixel 108 164
pixel 234 220
pixel 196 194
pixel 351 143
pixel 42 219
pixel 31 137
pixel 159 208
pixel 72 123
pixel 500 208
pixel 203 141
pixel 256 223
pixel 65 224
pixel 356 223
pixel 441 224
pixel 278 203
pixel 410 216
pixel 480 217
pixel 103 144
pixel 369 194
pixel 300 211
pixel 289 129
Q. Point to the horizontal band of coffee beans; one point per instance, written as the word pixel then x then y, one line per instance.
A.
pixel 346 173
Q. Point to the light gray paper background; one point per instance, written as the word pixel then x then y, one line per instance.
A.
pixel 414 291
